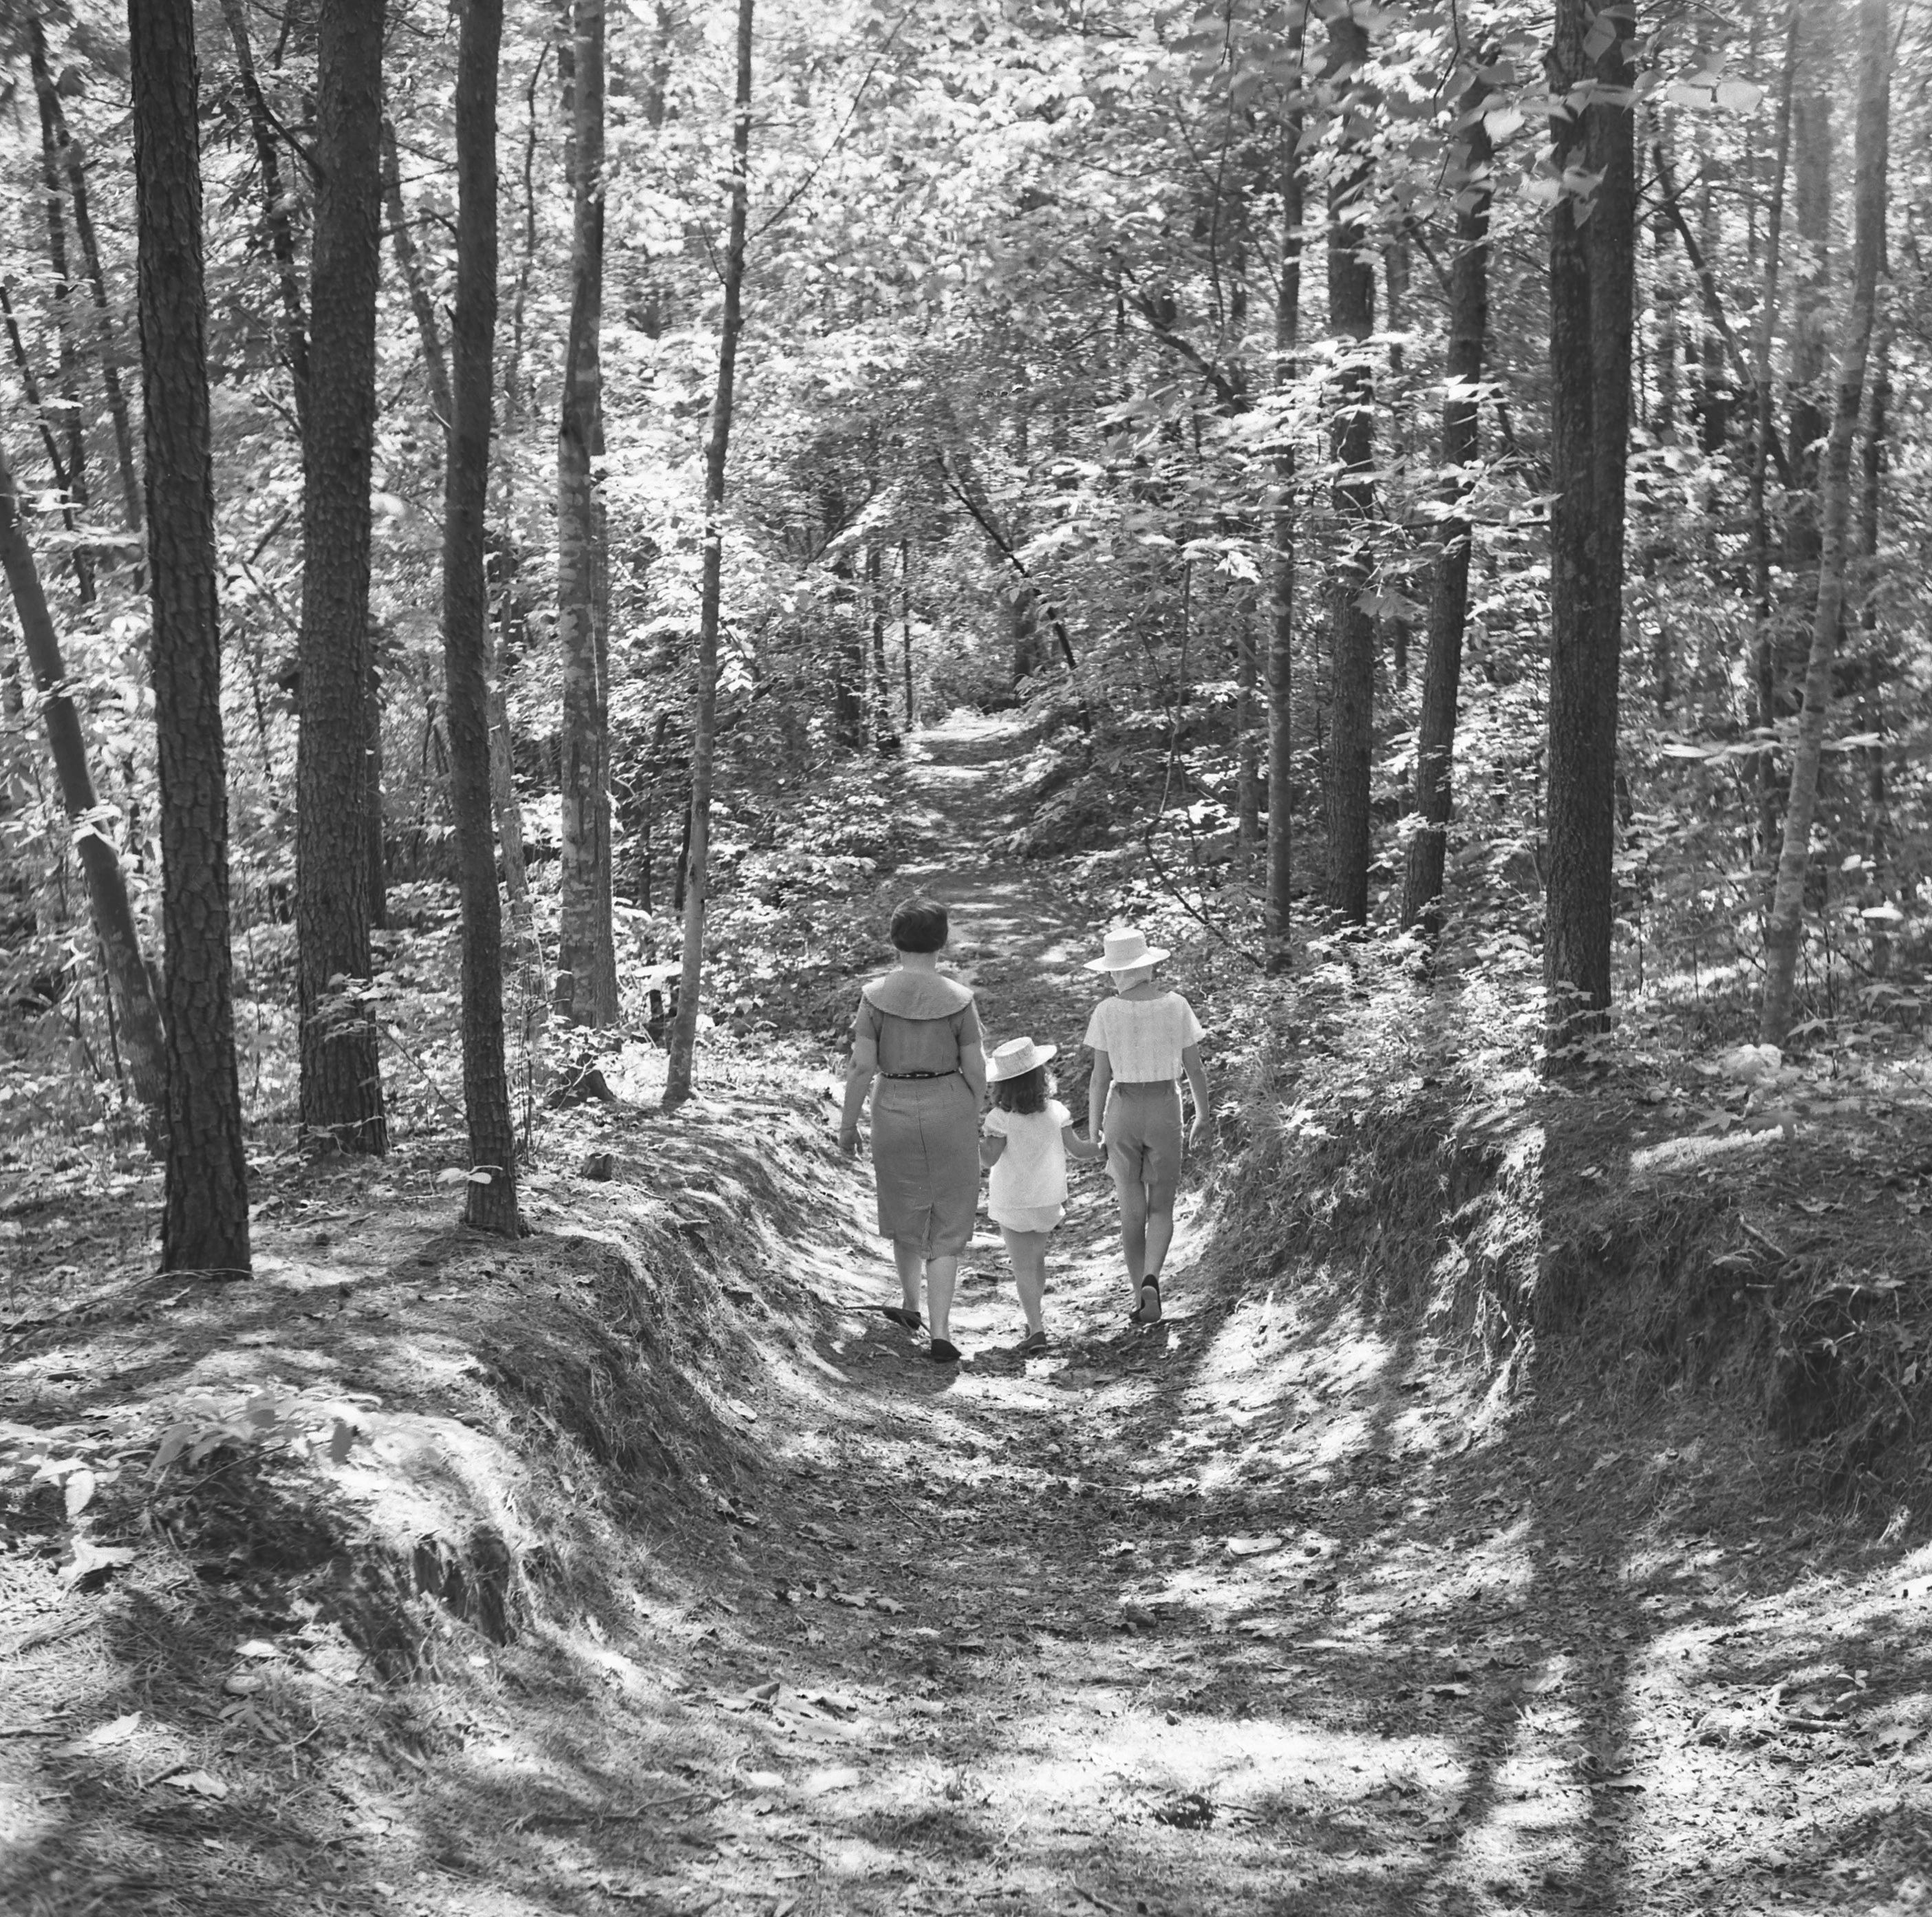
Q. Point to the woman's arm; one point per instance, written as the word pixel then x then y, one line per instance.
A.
pixel 973 1056
pixel 1097 1089
pixel 1202 1129
pixel 1078 1147
pixel 859 1075
pixel 990 1152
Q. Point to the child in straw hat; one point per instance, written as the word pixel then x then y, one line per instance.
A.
pixel 1143 1038
pixel 1027 1134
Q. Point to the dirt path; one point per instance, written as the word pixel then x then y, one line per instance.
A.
pixel 1266 1610
pixel 1269 1609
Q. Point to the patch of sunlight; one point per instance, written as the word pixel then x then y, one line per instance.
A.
pixel 1697 1148
pixel 1539 1804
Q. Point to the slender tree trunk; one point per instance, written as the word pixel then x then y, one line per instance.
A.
pixel 205 1215
pixel 684 1030
pixel 1449 594
pixel 128 977
pixel 72 414
pixel 586 954
pixel 1811 208
pixel 73 163
pixel 1280 849
pixel 882 694
pixel 1764 670
pixel 409 260
pixel 275 220
pixel 341 1084
pixel 1591 276
pixel 1351 317
pixel 905 629
pixel 36 403
pixel 490 1202
pixel 1784 932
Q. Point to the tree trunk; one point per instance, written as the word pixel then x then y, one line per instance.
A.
pixel 490 1196
pixel 72 414
pixel 275 219
pixel 905 628
pixel 684 1030
pixel 1811 209
pixel 1449 593
pixel 128 978
pixel 341 1085
pixel 1591 274
pixel 73 165
pixel 586 948
pixel 1280 849
pixel 409 260
pixel 882 684
pixel 1784 932
pixel 204 1214
pixel 1351 318
pixel 1764 670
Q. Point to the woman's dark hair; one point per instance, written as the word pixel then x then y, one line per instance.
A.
pixel 919 925
pixel 1025 1094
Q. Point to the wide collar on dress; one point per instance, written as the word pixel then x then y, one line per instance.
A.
pixel 917 994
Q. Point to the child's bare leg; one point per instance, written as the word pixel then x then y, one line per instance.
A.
pixel 1028 1250
pixel 1132 1196
pixel 910 1259
pixel 1159 1226
pixel 940 1274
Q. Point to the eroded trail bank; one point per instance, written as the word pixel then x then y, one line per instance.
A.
pixel 658 1572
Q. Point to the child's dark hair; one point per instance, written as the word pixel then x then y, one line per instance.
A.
pixel 1025 1094
pixel 919 925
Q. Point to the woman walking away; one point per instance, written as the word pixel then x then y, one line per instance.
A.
pixel 1143 1038
pixel 916 1048
pixel 1028 1134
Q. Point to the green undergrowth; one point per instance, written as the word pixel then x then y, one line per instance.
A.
pixel 1666 1232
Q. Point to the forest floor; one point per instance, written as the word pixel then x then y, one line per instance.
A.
pixel 1276 1607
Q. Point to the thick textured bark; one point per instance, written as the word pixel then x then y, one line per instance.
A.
pixel 1351 318
pixel 275 220
pixel 1785 930
pixel 341 1084
pixel 1449 592
pixel 490 1202
pixel 128 975
pixel 408 261
pixel 586 951
pixel 72 415
pixel 1592 276
pixel 205 1214
pixel 684 1028
pixel 73 165
pixel 1280 851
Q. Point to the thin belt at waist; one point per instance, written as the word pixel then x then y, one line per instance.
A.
pixel 951 1072
pixel 1146 1085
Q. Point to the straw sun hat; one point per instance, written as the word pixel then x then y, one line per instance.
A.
pixel 1126 950
pixel 1017 1058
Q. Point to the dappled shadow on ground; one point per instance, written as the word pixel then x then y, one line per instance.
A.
pixel 1277 1608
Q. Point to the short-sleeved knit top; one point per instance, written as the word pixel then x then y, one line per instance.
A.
pixel 1031 1172
pixel 1144 1038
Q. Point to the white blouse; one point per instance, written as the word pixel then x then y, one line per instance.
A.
pixel 1144 1038
pixel 1031 1172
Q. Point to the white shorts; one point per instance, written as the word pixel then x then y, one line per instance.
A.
pixel 1029 1217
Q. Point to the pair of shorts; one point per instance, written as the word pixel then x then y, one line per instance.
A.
pixel 1141 1125
pixel 1029 1217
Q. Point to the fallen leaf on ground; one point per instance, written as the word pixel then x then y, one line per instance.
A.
pixel 841 1776
pixel 103 1737
pixel 200 1782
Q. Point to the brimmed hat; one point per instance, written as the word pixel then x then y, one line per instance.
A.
pixel 1017 1058
pixel 1126 950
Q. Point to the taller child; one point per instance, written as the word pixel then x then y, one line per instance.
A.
pixel 1143 1040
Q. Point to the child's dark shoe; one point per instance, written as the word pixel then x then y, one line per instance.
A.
pixel 944 1352
pixel 1147 1309
pixel 1035 1343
